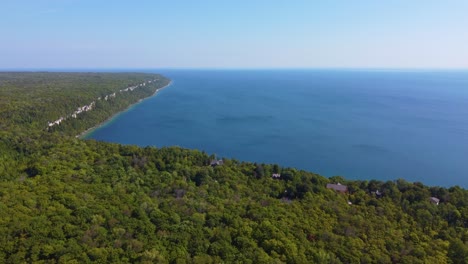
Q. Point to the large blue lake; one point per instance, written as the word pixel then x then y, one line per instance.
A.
pixel 359 124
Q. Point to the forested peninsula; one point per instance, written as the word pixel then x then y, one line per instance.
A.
pixel 68 200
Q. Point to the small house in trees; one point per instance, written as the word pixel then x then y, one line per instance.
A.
pixel 276 175
pixel 337 187
pixel 434 200
pixel 215 163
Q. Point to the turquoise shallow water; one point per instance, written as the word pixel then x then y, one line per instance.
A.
pixel 359 124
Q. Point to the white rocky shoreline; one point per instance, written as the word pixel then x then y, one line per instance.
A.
pixel 87 131
pixel 91 106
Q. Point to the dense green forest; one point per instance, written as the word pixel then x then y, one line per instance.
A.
pixel 67 200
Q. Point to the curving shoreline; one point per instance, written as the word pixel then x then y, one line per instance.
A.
pixel 85 133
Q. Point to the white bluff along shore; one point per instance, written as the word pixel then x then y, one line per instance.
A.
pixel 91 106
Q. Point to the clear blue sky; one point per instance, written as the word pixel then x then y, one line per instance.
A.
pixel 233 34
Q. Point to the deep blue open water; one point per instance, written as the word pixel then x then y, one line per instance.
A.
pixel 358 124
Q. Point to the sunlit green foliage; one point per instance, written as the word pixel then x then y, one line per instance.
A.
pixel 66 200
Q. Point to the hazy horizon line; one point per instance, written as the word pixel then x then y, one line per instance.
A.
pixel 104 69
